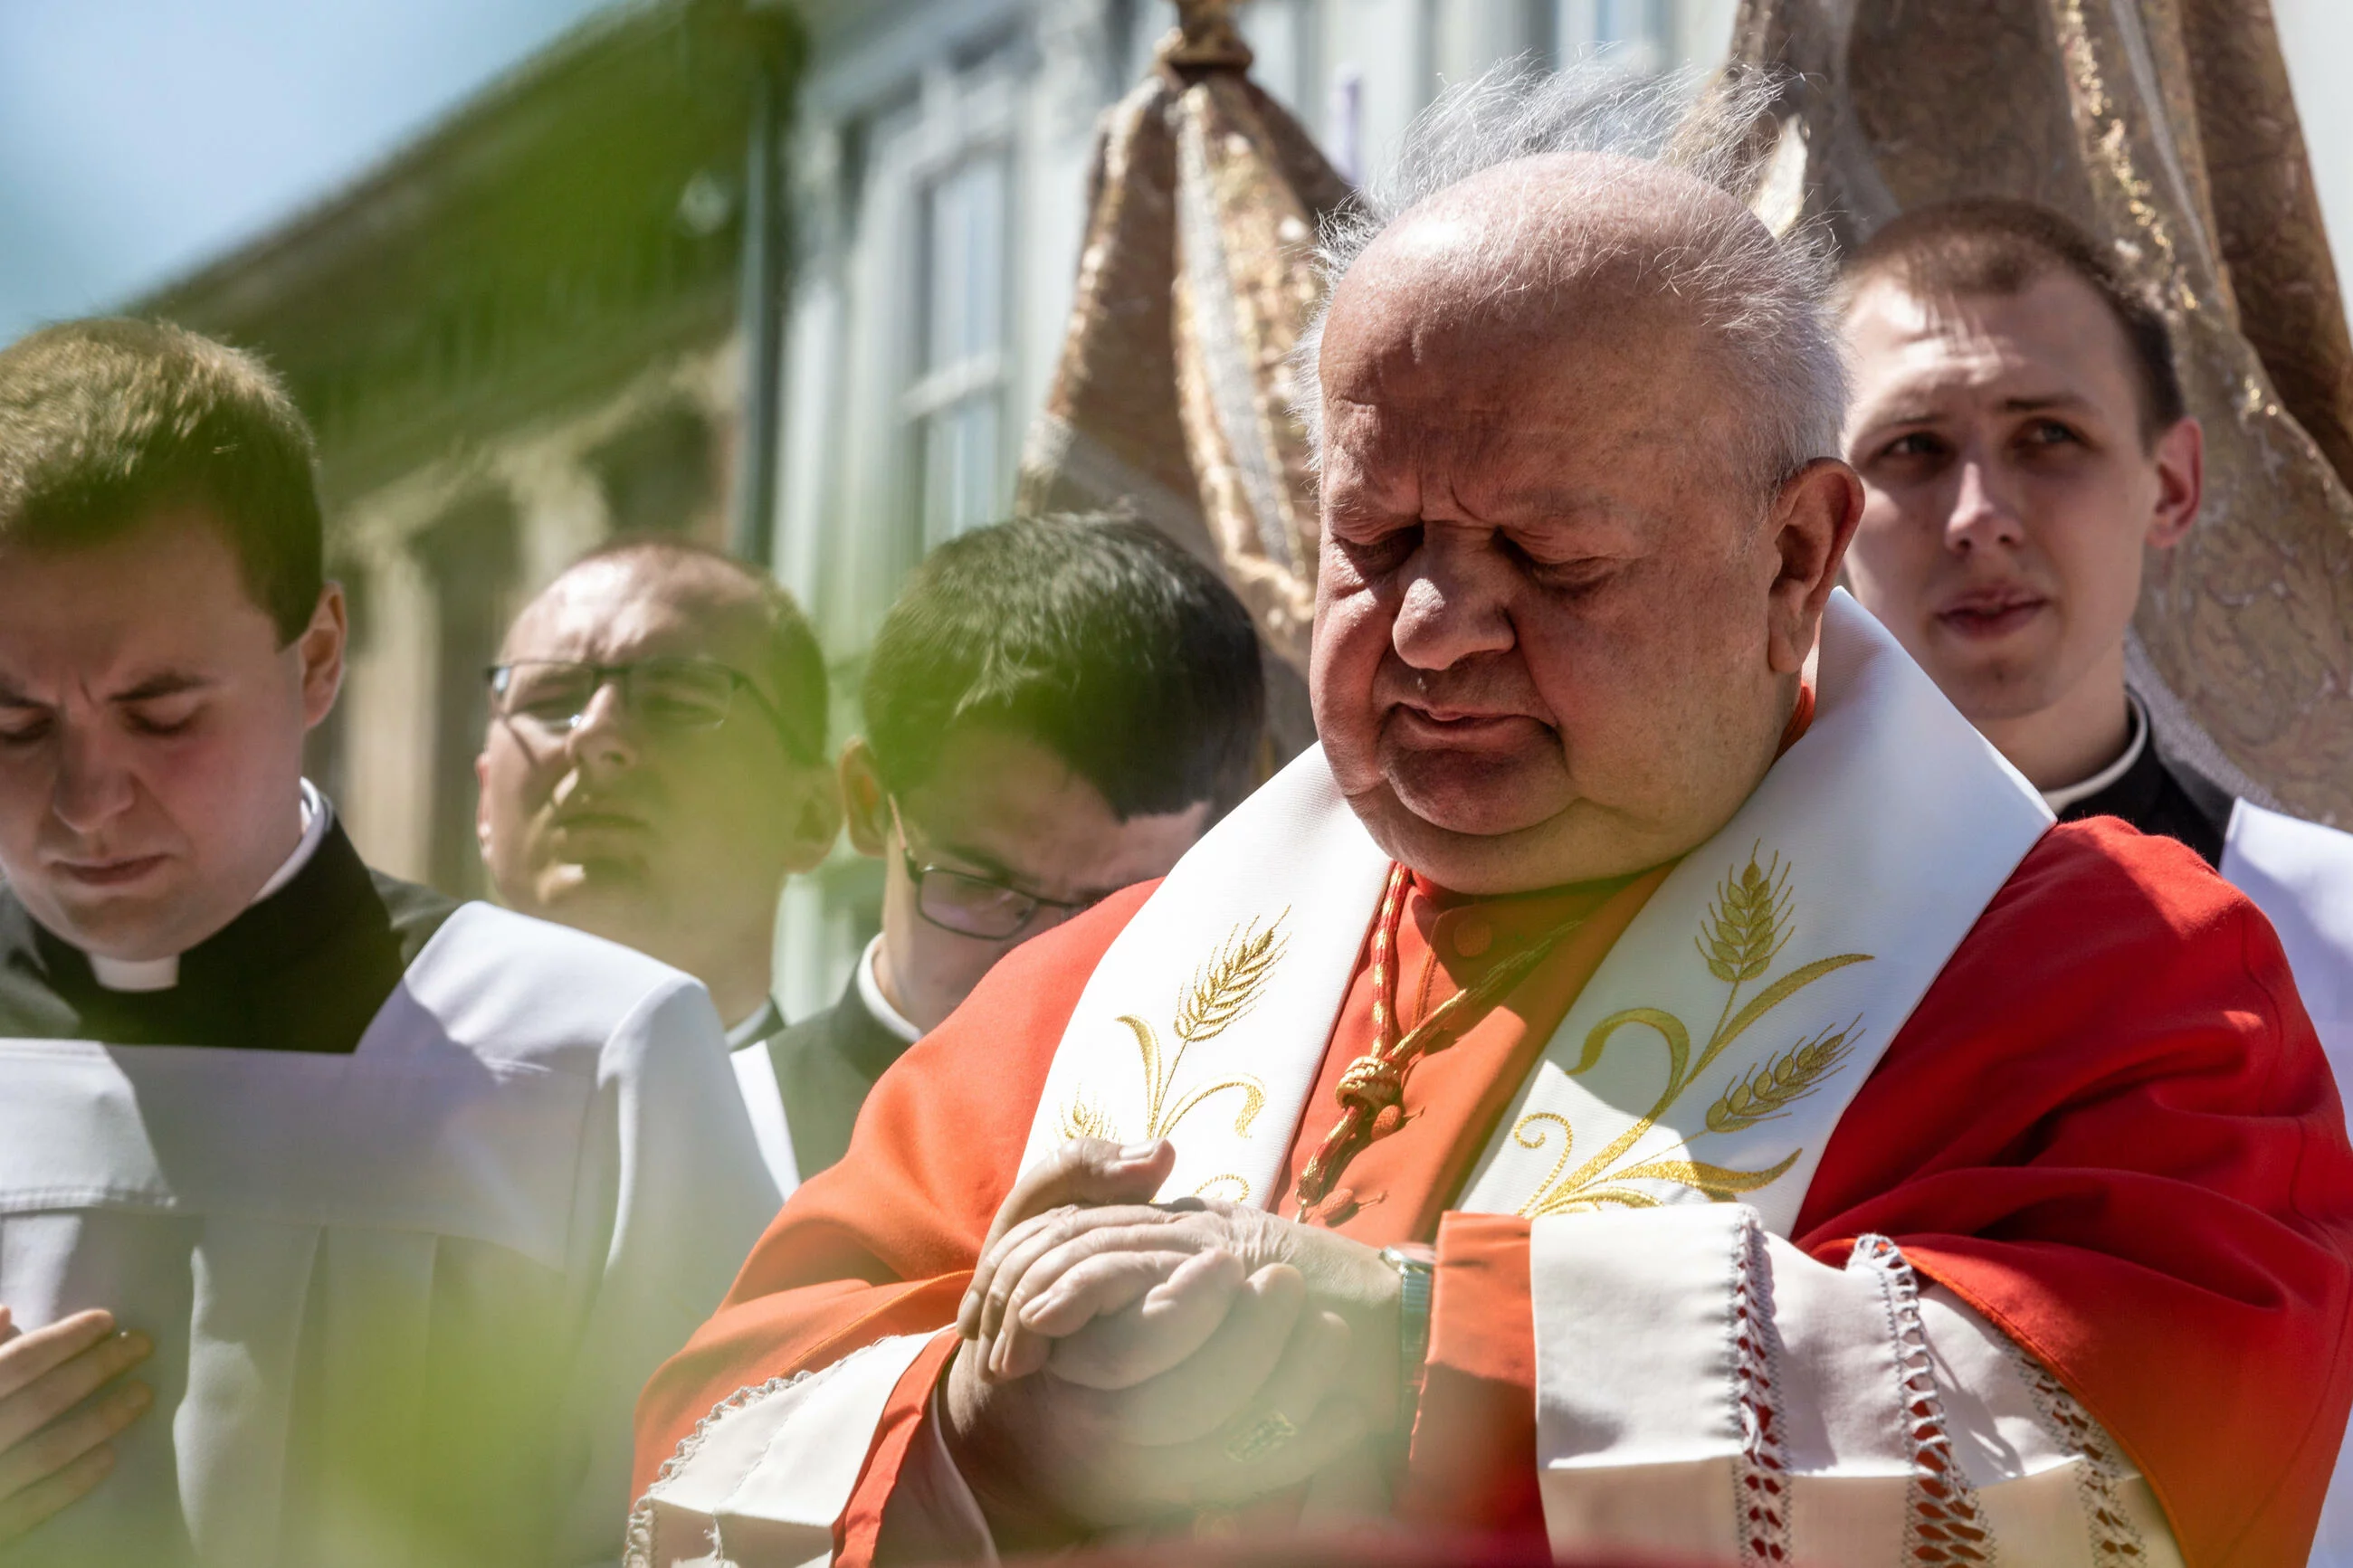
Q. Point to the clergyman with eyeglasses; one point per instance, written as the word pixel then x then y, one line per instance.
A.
pixel 1055 709
pixel 655 767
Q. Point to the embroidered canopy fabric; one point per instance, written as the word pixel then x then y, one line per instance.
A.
pixel 2168 126
pixel 1172 399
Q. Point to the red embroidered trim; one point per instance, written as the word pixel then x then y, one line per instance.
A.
pixel 1762 1479
pixel 1943 1522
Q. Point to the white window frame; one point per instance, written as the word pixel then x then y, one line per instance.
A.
pixel 968 114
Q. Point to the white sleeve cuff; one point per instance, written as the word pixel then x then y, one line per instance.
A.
pixel 1705 1389
pixel 765 1477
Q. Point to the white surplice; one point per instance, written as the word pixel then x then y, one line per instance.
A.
pixel 2300 874
pixel 402 1299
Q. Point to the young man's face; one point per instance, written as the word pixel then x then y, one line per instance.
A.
pixel 150 734
pixel 1001 808
pixel 671 839
pixel 2009 492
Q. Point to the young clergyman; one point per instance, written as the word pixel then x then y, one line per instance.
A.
pixel 406 1197
pixel 1055 709
pixel 655 767
pixel 2023 440
pixel 1620 1092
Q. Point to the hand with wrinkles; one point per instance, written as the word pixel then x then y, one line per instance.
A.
pixel 1126 1360
pixel 54 1448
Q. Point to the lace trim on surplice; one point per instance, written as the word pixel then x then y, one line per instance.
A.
pixel 637 1543
pixel 2099 1472
pixel 1762 1479
pixel 1943 1522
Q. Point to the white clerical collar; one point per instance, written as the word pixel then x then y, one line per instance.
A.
pixel 2060 799
pixel 870 991
pixel 163 973
pixel 749 1030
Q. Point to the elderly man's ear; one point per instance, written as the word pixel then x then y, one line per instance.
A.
pixel 1813 520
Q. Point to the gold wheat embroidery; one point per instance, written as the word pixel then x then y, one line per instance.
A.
pixel 1223 989
pixel 1764 1092
pixel 1746 926
pixel 1083 1117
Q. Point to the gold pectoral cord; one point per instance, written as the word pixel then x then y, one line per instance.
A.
pixel 1744 932
pixel 1225 987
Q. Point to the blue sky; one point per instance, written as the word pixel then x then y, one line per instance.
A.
pixel 138 138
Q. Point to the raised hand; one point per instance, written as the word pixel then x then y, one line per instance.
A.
pixel 51 1452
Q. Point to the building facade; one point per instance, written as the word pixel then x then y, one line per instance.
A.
pixel 523 334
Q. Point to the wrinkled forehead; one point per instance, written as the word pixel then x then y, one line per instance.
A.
pixel 1422 374
pixel 1473 302
pixel 613 611
pixel 165 593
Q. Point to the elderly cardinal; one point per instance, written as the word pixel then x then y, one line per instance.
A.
pixel 1653 1079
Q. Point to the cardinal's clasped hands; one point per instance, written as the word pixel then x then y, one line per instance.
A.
pixel 1127 1362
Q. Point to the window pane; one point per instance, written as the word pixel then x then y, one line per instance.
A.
pixel 1629 22
pixel 960 469
pixel 965 222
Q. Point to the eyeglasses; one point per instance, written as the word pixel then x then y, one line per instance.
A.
pixel 673 696
pixel 969 905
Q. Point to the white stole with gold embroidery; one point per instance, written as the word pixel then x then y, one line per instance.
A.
pixel 1701 1385
pixel 1716 1045
pixel 1205 1022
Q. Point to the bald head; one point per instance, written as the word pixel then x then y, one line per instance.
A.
pixel 1580 518
pixel 1596 264
pixel 1548 277
pixel 1523 231
pixel 690 583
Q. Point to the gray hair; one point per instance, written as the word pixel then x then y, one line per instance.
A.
pixel 1766 299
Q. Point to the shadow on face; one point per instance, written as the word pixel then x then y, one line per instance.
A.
pixel 1000 809
pixel 637 818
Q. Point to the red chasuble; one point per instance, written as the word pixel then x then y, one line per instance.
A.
pixel 2107 1128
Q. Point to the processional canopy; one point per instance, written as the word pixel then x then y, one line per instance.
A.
pixel 1172 399
pixel 2164 127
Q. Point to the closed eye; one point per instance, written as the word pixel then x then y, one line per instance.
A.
pixel 1383 552
pixel 22 725
pixel 162 719
pixel 1576 576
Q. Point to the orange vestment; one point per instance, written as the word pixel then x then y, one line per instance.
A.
pixel 2107 1128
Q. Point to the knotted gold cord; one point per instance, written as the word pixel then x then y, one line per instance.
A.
pixel 1376 1081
